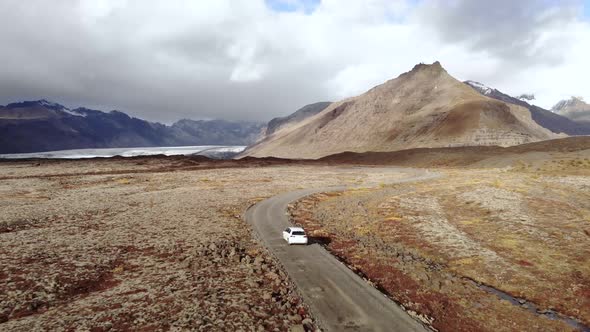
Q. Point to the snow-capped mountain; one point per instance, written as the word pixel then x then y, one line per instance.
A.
pixel 481 88
pixel 566 103
pixel 60 108
pixel 553 121
pixel 35 126
pixel 574 108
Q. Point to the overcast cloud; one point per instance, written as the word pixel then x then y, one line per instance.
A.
pixel 255 59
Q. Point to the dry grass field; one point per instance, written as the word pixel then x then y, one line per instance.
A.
pixel 476 250
pixel 159 243
pixel 144 244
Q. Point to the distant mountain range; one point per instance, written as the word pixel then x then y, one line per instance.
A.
pixel 35 126
pixel 555 121
pixel 575 109
pixel 425 107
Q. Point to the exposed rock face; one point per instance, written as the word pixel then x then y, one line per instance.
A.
pixel 555 122
pixel 425 107
pixel 35 126
pixel 574 108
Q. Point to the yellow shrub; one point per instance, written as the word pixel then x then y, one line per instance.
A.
pixel 118 269
pixel 124 181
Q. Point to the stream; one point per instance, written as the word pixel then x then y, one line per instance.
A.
pixel 551 314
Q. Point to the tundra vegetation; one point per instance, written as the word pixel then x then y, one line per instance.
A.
pixel 144 243
pixel 477 249
pixel 159 243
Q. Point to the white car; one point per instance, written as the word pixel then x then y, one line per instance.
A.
pixel 295 235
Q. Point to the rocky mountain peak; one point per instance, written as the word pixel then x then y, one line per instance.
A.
pixel 434 68
pixel 574 108
pixel 423 108
pixel 49 104
pixel 568 103
pixel 37 103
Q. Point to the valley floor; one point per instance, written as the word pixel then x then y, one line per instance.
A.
pixel 158 243
pixel 143 244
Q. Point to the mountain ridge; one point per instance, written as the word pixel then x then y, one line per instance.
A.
pixel 37 126
pixel 295 117
pixel 424 107
pixel 555 122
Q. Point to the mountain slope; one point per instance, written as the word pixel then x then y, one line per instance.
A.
pixel 575 109
pixel 298 116
pixel 35 126
pixel 547 119
pixel 217 132
pixel 425 107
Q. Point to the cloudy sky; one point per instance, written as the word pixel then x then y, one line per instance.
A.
pixel 257 59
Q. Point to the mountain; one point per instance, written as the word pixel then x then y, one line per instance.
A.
pixel 35 126
pixel 299 115
pixel 425 107
pixel 575 109
pixel 547 119
pixel 217 132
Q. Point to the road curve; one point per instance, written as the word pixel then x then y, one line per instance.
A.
pixel 339 299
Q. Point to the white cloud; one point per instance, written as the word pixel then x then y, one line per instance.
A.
pixel 241 60
pixel 550 83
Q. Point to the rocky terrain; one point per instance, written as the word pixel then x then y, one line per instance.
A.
pixel 423 108
pixel 480 249
pixel 144 244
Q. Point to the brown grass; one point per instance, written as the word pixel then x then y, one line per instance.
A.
pixel 523 233
pixel 143 244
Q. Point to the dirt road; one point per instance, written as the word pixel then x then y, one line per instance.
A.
pixel 340 300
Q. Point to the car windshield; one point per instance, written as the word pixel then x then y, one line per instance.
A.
pixel 298 233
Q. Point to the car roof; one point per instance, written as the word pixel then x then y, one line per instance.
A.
pixel 296 229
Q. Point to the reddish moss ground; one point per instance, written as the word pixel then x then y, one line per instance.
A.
pixel 429 245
